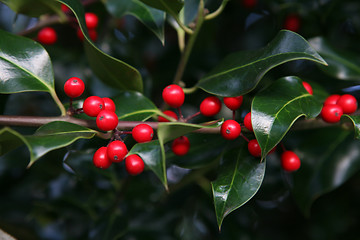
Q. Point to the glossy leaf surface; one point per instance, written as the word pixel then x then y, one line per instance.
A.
pixel 153 157
pixel 133 106
pixel 329 157
pixel 152 18
pixel 169 6
pixel 355 119
pixel 343 65
pixel 240 177
pixel 9 140
pixel 32 8
pixel 240 72
pixel 53 136
pixel 24 65
pixel 275 109
pixel 110 70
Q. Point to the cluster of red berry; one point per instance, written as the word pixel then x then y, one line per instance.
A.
pixel 337 105
pixel 107 120
pixel 48 35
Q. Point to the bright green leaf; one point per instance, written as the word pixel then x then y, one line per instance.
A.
pixel 240 72
pixel 343 65
pixel 153 157
pixel 240 177
pixel 275 109
pixel 110 70
pixel 152 18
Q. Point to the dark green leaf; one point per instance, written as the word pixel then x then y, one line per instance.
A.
pixel 153 157
pixel 275 109
pixel 329 157
pixel 110 70
pixel 24 65
pixel 239 179
pixel 152 18
pixel 33 8
pixel 169 6
pixel 343 65
pixel 240 72
pixel 53 136
pixel 9 140
pixel 190 10
pixel 355 119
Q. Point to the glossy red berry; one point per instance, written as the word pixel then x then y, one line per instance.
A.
pixel 290 161
pixel 107 120
pixel 332 99
pixel 91 20
pixel 348 103
pixel 93 105
pixel 254 148
pixel 74 87
pixel 308 87
pixel 230 129
pixel 116 151
pixel 168 113
pixel 233 103
pixel 331 113
pixel 100 158
pixel 109 104
pixel 180 146
pixel 247 121
pixel 134 164
pixel 210 106
pixel 173 95
pixel 47 36
pixel 92 33
pixel 142 133
pixel 292 23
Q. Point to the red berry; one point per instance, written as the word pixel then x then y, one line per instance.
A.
pixel 173 95
pixel 93 105
pixel 210 106
pixel 107 120
pixel 134 164
pixel 308 87
pixel 117 151
pixel 331 113
pixel 109 104
pixel 254 148
pixel 233 103
pixel 292 23
pixel 168 113
pixel 290 161
pixel 74 87
pixel 92 34
pixel 249 3
pixel 332 99
pixel 247 122
pixel 230 129
pixel 180 146
pixel 348 103
pixel 65 8
pixel 142 133
pixel 91 20
pixel 47 36
pixel 101 159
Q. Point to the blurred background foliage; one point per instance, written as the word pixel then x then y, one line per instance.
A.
pixel 63 196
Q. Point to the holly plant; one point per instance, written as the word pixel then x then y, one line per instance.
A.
pixel 176 119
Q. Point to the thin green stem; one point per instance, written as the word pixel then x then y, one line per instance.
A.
pixel 190 90
pixel 58 102
pixel 217 12
pixel 188 48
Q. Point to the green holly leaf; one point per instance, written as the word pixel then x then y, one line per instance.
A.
pixel 33 8
pixel 355 119
pixel 152 18
pixel 240 177
pixel 274 110
pixel 9 140
pixel 329 157
pixel 240 72
pixel 55 135
pixel 169 6
pixel 343 65
pixel 110 70
pixel 154 158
